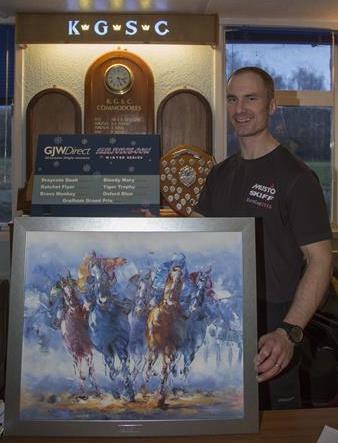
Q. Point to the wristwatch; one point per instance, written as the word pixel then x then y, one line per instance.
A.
pixel 294 332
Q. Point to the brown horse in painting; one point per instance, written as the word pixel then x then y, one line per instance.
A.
pixel 165 331
pixel 72 317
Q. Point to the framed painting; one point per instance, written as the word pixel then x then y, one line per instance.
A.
pixel 132 327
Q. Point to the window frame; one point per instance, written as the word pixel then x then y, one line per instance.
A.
pixel 306 98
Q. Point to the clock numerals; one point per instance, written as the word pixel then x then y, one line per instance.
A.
pixel 118 78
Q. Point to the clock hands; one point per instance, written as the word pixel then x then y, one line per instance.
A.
pixel 121 80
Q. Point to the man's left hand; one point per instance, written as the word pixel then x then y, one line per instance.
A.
pixel 275 352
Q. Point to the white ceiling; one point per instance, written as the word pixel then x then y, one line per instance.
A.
pixel 324 11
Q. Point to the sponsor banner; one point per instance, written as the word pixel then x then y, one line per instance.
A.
pixel 96 175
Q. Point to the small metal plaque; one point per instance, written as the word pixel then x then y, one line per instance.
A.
pixel 183 173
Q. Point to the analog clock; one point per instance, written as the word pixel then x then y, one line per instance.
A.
pixel 118 78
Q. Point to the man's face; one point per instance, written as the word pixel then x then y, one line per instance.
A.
pixel 249 107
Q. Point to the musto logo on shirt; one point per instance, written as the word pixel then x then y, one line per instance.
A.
pixel 262 195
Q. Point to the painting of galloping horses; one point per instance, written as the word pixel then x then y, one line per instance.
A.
pixel 133 326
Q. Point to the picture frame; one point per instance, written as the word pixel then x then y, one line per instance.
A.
pixel 76 365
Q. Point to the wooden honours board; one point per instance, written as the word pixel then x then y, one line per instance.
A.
pixel 185 117
pixel 119 95
pixel 52 110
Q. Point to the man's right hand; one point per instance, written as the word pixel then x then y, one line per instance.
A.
pixel 275 352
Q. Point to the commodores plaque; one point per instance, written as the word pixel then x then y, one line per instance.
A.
pixel 183 173
pixel 119 95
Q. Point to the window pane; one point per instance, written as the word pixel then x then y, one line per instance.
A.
pixel 306 131
pixel 5 164
pixel 293 66
pixel 7 48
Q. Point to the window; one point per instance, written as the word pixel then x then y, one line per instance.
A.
pixel 6 100
pixel 300 63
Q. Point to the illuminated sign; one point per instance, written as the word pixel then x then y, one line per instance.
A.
pixel 110 28
pixel 131 27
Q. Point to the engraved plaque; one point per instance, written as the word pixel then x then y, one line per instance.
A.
pixel 183 173
pixel 119 95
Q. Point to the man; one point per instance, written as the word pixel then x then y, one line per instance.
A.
pixel 264 180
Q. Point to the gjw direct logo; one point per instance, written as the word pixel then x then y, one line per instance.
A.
pixel 130 27
pixel 55 151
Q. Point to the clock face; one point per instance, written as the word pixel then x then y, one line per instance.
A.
pixel 118 78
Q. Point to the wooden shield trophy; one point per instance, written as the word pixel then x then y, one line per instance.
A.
pixel 183 173
pixel 119 95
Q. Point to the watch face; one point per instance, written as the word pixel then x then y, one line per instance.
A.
pixel 296 334
pixel 118 78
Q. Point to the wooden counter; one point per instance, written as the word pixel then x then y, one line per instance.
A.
pixel 296 426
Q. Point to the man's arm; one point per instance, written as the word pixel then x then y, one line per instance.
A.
pixel 275 350
pixel 313 285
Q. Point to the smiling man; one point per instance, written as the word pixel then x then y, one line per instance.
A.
pixel 264 180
